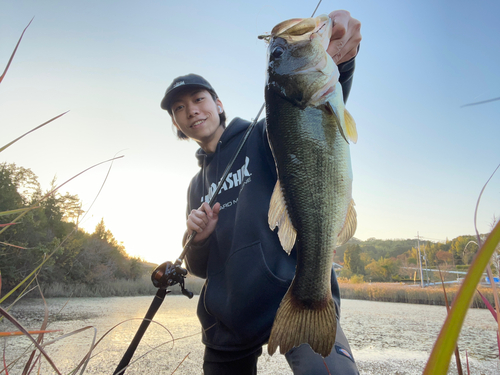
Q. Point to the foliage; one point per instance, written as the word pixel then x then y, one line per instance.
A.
pixel 398 259
pixel 357 279
pixel 382 270
pixel 445 344
pixel 352 260
pixel 89 259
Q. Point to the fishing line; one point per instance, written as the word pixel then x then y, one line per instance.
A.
pixel 169 274
pixel 228 168
pixel 317 6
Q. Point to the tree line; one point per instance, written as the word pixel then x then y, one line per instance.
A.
pixel 81 257
pixel 397 260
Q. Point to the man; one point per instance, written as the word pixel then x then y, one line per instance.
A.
pixel 246 271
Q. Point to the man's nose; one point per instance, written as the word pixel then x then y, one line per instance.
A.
pixel 193 110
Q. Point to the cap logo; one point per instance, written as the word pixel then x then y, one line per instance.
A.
pixel 180 83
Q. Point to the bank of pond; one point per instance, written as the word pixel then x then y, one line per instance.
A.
pixel 383 292
pixel 413 293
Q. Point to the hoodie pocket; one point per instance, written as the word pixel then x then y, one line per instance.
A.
pixel 245 295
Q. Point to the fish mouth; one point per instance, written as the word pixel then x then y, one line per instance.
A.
pixel 304 29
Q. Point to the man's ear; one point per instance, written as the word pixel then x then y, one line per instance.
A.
pixel 219 104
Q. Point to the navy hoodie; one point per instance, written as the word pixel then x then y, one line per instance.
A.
pixel 247 271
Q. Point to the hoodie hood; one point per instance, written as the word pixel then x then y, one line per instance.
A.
pixel 232 131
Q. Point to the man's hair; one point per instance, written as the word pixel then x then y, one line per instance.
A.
pixel 222 117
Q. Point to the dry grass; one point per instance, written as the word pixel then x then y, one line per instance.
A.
pixel 392 292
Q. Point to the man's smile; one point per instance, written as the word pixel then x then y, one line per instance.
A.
pixel 198 123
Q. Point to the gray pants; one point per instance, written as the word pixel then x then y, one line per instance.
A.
pixel 303 361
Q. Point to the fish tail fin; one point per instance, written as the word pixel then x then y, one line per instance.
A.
pixel 296 324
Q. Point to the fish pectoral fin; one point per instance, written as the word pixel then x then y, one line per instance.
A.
pixel 352 132
pixel 350 225
pixel 278 217
pixel 334 112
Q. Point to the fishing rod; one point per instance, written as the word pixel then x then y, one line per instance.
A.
pixel 169 274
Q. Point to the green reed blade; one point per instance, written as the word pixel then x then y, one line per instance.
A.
pixel 439 359
pixel 18 211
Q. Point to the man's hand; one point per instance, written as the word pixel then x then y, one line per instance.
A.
pixel 346 36
pixel 203 221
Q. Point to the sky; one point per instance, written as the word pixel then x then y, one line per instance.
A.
pixel 420 162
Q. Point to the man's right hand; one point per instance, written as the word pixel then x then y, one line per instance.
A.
pixel 203 221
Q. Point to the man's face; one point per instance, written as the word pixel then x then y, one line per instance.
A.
pixel 196 114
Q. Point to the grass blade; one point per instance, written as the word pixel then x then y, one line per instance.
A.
pixel 457 353
pixel 179 365
pixel 19 210
pixel 488 305
pixel 40 335
pixel 58 187
pixel 32 130
pixel 9 244
pixel 481 102
pixel 18 325
pixel 13 53
pixel 439 359
pixel 62 242
pixel 19 333
pixel 488 268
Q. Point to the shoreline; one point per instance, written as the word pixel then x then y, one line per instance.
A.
pixel 401 293
pixel 380 292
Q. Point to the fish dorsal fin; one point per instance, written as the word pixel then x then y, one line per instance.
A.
pixel 278 217
pixel 352 133
pixel 349 227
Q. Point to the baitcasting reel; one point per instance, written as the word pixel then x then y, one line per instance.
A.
pixel 168 274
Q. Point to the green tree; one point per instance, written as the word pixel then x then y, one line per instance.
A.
pixel 352 259
pixel 458 246
pixel 382 270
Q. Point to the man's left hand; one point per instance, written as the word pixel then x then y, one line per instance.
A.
pixel 346 36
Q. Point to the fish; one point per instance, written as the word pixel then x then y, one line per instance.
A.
pixel 309 132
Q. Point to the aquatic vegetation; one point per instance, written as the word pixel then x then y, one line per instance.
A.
pixel 38 344
pixel 446 342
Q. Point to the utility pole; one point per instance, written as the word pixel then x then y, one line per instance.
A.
pixel 420 261
pixel 426 266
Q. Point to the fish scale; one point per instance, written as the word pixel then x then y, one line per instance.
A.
pixel 307 135
pixel 312 184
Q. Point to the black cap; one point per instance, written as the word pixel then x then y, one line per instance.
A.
pixel 190 80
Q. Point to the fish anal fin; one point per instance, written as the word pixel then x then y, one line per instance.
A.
pixel 278 217
pixel 352 132
pixel 350 225
pixel 296 324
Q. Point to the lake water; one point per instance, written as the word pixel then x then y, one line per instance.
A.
pixel 386 338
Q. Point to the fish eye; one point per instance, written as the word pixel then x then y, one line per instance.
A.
pixel 277 52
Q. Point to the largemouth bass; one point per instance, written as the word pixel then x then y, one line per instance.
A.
pixel 309 132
